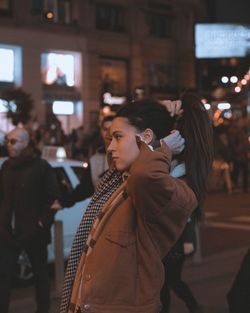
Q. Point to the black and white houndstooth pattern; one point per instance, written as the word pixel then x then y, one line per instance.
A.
pixel 109 183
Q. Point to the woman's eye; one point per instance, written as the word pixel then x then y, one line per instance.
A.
pixel 117 137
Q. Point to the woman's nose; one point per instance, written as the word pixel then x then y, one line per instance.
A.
pixel 111 146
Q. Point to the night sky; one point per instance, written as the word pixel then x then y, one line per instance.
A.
pixel 229 11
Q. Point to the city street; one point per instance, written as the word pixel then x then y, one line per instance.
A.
pixel 227 222
pixel 224 241
pixel 76 74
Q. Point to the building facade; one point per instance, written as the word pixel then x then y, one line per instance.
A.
pixel 76 56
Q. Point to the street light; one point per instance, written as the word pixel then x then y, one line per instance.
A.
pixel 224 79
pixel 224 106
pixel 233 79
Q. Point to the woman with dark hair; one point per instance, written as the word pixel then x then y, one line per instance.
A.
pixel 136 215
pixel 194 125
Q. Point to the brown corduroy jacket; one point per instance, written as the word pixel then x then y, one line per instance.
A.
pixel 124 271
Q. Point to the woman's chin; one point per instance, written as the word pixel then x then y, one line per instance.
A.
pixel 120 168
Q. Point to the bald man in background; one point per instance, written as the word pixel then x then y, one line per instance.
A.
pixel 27 189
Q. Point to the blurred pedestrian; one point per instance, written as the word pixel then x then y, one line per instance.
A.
pixel 238 296
pixel 76 139
pixel 91 175
pixel 27 189
pixel 98 161
pixel 239 143
pixel 223 156
pixel 82 191
pixel 173 263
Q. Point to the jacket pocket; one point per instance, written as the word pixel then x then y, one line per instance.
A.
pixel 121 238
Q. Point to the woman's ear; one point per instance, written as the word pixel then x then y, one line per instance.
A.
pixel 147 136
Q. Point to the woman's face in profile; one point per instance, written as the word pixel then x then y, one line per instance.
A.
pixel 123 147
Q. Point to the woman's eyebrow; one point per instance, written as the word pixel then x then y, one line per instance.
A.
pixel 115 132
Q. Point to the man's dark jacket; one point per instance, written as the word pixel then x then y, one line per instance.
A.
pixel 28 186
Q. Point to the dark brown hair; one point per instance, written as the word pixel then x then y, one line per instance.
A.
pixel 148 113
pixel 194 125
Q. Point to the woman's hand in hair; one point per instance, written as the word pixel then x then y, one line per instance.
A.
pixel 174 141
pixel 173 107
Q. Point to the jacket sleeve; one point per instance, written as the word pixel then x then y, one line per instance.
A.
pixel 82 191
pixel 50 193
pixel 164 202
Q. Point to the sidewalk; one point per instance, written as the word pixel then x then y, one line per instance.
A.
pixel 210 280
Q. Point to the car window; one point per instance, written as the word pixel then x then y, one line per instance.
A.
pixel 63 180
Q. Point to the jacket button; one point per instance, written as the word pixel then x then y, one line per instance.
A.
pixel 86 307
pixel 87 277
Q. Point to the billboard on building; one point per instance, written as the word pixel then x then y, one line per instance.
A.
pixel 57 69
pixel 221 40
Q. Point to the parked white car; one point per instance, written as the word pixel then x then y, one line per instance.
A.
pixel 68 171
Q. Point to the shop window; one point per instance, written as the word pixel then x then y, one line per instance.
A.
pixel 63 107
pixel 7 65
pixel 57 69
pixel 114 76
pixel 161 77
pixel 11 66
pixel 64 114
pixel 110 18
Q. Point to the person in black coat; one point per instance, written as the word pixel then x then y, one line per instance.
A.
pixel 173 264
pixel 238 296
pixel 27 189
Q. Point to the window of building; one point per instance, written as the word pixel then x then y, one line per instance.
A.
pixel 63 107
pixel 159 18
pixel 110 17
pixel 37 6
pixel 159 25
pixel 69 114
pixel 58 69
pixel 5 7
pixel 5 122
pixel 64 11
pixel 11 65
pixel 53 11
pixel 3 106
pixel 161 77
pixel 114 76
pixel 7 65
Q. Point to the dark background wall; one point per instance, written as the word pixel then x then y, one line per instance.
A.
pixel 229 11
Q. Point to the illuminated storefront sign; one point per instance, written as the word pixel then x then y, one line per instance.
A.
pixel 221 40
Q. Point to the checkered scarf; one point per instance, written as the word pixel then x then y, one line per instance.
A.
pixel 109 183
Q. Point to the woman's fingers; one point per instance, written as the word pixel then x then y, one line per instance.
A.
pixel 175 142
pixel 173 107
